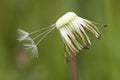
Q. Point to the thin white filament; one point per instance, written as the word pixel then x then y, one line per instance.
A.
pixel 46 28
pixel 43 37
pixel 41 34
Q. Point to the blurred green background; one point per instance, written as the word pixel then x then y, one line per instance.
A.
pixel 100 62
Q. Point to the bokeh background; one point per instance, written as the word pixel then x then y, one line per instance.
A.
pixel 100 62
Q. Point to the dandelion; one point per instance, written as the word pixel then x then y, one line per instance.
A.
pixel 73 32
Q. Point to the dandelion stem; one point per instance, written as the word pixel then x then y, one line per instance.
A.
pixel 74 66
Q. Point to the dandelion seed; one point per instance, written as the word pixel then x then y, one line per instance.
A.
pixel 73 32
pixel 30 43
pixel 27 43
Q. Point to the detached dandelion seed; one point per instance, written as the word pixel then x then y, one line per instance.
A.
pixel 27 43
pixel 30 43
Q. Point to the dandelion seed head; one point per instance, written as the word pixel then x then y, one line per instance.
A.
pixel 73 31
